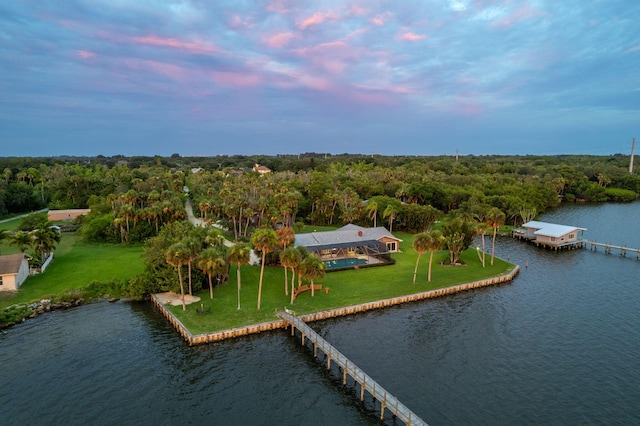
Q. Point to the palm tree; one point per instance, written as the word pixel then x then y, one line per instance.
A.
pixel 495 219
pixel 372 208
pixel 391 211
pixel 22 240
pixel 303 253
pixel 421 244
pixel 240 254
pixel 194 247
pixel 264 240
pixel 177 255
pixel 312 267
pixel 482 230
pixel 435 244
pixel 211 262
pixel 290 258
pixel 45 240
pixel 285 238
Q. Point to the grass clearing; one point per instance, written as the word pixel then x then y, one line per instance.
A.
pixel 75 265
pixel 345 288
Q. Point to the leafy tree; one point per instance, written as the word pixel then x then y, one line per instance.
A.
pixel 421 244
pixel 458 235
pixel 436 242
pixel 34 221
pixel 264 240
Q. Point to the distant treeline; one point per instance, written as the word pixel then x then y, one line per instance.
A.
pixel 322 188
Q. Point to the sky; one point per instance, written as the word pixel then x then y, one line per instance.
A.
pixel 410 77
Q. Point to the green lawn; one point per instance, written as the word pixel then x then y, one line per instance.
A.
pixel 75 265
pixel 345 288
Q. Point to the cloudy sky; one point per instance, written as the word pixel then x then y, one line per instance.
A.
pixel 423 77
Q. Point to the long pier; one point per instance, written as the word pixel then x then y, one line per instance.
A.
pixel 608 248
pixel 387 400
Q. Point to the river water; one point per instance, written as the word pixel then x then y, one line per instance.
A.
pixel 559 345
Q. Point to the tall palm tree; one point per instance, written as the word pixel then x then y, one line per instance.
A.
pixel 495 219
pixel 312 267
pixel 390 212
pixel 303 253
pixel 211 262
pixel 177 255
pixel 481 229
pixel 372 209
pixel 240 254
pixel 286 237
pixel 436 243
pixel 290 258
pixel 194 246
pixel 264 240
pixel 421 244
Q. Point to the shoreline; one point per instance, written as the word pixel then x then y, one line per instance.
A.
pixel 231 333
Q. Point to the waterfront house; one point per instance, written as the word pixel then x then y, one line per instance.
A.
pixel 351 246
pixel 551 235
pixel 14 269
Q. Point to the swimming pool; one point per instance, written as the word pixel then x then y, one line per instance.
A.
pixel 344 263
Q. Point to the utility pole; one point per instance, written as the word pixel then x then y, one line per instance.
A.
pixel 456 155
pixel 633 145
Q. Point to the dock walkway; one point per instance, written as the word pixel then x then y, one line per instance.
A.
pixel 608 247
pixel 387 400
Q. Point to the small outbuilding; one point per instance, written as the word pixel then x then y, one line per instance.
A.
pixel 351 246
pixel 14 270
pixel 69 214
pixel 551 235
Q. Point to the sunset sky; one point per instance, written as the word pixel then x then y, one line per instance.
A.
pixel 418 77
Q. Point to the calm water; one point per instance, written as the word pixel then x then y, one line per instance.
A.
pixel 560 345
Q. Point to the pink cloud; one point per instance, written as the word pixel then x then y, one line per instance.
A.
pixel 357 10
pixel 238 21
pixel 377 20
pixel 198 46
pixel 316 19
pixel 280 6
pixel 409 36
pixel 518 15
pixel 85 54
pixel 235 79
pixel 278 41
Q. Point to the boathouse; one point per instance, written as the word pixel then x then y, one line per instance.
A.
pixel 14 269
pixel 351 246
pixel 551 235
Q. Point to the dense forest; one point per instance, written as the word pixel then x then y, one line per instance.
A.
pixel 134 199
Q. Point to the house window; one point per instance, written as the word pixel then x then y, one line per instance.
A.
pixel 0 280
pixel 391 246
pixel 572 236
pixel 553 239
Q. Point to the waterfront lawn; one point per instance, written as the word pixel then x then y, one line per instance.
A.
pixel 75 265
pixel 346 288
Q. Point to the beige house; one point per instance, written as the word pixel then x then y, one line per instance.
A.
pixel 14 269
pixel 351 246
pixel 261 169
pixel 71 214
pixel 551 234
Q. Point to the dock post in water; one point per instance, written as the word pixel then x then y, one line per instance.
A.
pixel 387 400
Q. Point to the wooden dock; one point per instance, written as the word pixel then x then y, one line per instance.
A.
pixel 387 400
pixel 609 248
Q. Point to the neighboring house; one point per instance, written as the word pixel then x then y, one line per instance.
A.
pixel 71 214
pixel 261 169
pixel 351 246
pixel 14 269
pixel 551 234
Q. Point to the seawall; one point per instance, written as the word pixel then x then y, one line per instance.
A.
pixel 331 313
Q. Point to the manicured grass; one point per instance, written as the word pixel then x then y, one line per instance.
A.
pixel 75 265
pixel 345 288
